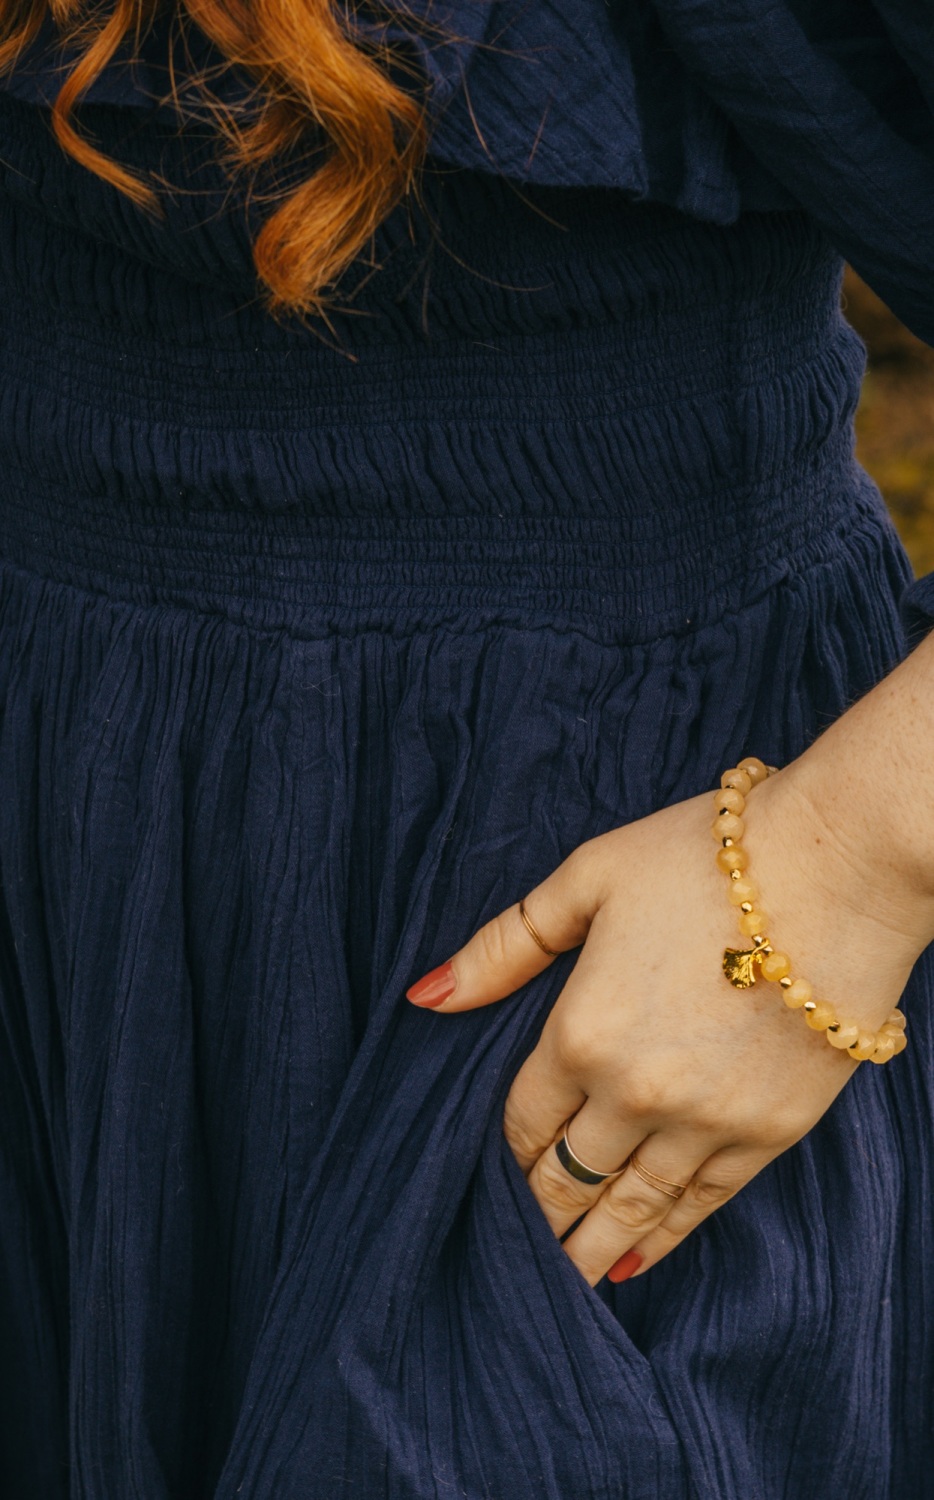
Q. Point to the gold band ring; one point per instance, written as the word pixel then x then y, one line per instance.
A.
pixel 552 953
pixel 672 1189
pixel 572 1163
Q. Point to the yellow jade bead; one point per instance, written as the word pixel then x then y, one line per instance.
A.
pixel 733 858
pixel 884 1049
pixel 844 1036
pixel 752 923
pixel 738 780
pixel 729 800
pixel 755 768
pixel 775 966
pixel 864 1048
pixel 797 994
pixel 821 1016
pixel 727 826
pixel 741 890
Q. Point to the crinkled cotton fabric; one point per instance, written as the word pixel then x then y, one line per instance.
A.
pixel 320 646
pixel 712 106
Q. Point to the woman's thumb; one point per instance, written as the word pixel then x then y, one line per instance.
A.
pixel 513 947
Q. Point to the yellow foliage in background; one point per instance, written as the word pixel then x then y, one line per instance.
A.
pixel 895 419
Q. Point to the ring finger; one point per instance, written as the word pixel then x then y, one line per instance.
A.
pixel 630 1206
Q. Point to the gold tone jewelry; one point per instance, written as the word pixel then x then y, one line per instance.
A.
pixel 552 953
pixel 578 1169
pixel 662 1183
pixel 740 964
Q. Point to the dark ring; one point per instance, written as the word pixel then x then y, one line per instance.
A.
pixel 578 1168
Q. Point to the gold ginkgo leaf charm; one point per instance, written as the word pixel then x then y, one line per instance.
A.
pixel 739 965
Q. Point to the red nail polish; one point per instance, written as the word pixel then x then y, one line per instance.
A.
pixel 435 988
pixel 625 1266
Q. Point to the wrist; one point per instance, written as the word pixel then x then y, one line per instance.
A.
pixel 855 944
pixel 869 781
pixel 870 845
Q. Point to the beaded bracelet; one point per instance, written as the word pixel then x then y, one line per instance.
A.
pixel 740 965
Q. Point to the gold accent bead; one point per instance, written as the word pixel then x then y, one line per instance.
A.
pixel 733 860
pixel 842 1036
pixel 819 1015
pixel 884 1049
pixel 747 906
pixel 864 1048
pixel 786 981
pixel 798 993
pixel 754 768
pixel 775 966
pixel 727 826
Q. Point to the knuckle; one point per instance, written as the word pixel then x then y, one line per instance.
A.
pixel 636 1207
pixel 709 1189
pixel 491 942
pixel 520 1132
pixel 578 1046
pixel 645 1095
pixel 558 1187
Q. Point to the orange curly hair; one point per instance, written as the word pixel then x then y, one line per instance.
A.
pixel 309 70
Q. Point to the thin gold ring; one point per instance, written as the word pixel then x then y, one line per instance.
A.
pixel 655 1181
pixel 552 953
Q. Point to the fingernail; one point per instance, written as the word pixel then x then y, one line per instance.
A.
pixel 435 988
pixel 625 1266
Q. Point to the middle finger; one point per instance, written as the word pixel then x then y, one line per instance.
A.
pixel 629 1206
pixel 600 1140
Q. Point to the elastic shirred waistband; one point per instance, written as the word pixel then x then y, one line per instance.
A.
pixel 632 577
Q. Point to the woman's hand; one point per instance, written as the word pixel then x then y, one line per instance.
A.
pixel 649 1047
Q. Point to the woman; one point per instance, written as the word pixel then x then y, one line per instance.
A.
pixel 387 538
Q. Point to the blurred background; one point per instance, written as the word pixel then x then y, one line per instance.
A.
pixel 895 419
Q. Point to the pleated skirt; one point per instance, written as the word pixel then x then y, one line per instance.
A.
pixel 261 1233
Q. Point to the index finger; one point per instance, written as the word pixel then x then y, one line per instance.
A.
pixel 509 950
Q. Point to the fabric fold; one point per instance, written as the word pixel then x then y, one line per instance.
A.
pixel 713 107
pixel 835 100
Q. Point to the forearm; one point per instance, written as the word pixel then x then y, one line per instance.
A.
pixel 871 777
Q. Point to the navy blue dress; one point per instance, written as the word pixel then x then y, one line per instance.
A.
pixel 318 647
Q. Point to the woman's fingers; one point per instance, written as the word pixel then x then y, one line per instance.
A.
pixel 629 1207
pixel 598 1139
pixel 718 1178
pixel 503 954
pixel 543 1096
